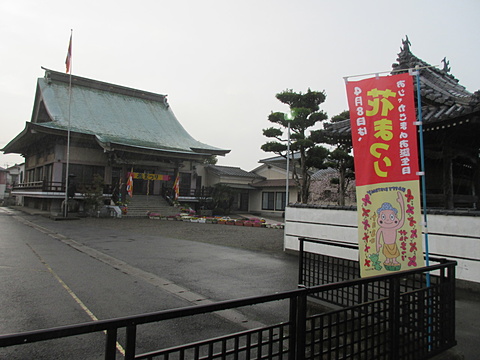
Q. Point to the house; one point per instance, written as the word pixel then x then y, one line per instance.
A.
pixel 271 192
pixel 260 191
pixel 3 184
pixel 86 128
pixel 241 181
pixel 13 176
pixel 451 124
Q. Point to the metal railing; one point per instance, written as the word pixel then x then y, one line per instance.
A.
pixel 203 192
pixel 49 186
pixel 408 319
pixel 281 341
pixel 398 322
pixel 55 186
pixel 317 269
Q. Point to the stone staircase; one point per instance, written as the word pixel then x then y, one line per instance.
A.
pixel 140 205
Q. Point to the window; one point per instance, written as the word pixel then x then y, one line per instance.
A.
pixel 48 172
pixel 268 200
pixel 30 175
pixel 38 174
pixel 273 201
pixel 280 201
pixel 84 173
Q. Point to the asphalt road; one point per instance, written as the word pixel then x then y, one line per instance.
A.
pixel 65 272
pixel 56 273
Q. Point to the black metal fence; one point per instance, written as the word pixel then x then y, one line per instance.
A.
pixel 317 269
pixel 396 322
pixel 393 317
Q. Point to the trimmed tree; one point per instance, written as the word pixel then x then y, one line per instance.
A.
pixel 305 113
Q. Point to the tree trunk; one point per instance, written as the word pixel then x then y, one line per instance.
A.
pixel 305 179
pixel 341 187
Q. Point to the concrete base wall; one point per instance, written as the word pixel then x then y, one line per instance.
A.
pixel 450 236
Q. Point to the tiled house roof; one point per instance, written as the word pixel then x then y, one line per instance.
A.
pixel 231 171
pixel 281 163
pixel 320 174
pixel 274 183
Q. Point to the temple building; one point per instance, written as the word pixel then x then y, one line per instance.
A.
pixel 105 130
pixel 451 133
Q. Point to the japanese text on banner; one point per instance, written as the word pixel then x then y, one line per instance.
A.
pixel 384 138
pixel 382 113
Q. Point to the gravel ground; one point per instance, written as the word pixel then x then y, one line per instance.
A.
pixel 250 238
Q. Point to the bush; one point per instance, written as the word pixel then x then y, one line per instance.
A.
pixel 93 195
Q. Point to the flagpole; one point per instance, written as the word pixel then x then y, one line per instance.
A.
pixel 422 169
pixel 424 200
pixel 67 170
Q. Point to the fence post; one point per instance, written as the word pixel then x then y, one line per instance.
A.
pixel 130 342
pixel 394 321
pixel 292 339
pixel 301 325
pixel 300 262
pixel 450 298
pixel 111 344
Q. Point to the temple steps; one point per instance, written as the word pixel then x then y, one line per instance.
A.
pixel 141 205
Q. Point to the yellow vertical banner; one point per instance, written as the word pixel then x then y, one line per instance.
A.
pixel 384 138
pixel 389 226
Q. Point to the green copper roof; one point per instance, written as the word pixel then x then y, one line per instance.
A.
pixel 115 115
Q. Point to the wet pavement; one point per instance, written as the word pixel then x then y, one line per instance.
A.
pixel 208 262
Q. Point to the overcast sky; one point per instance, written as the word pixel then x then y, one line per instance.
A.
pixel 221 62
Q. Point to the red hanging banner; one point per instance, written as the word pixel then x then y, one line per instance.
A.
pixel 383 132
pixel 384 138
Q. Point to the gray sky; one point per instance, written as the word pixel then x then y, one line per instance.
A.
pixel 221 62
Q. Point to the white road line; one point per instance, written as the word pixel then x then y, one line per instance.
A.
pixel 71 293
pixel 194 298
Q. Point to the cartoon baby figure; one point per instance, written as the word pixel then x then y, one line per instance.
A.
pixel 390 221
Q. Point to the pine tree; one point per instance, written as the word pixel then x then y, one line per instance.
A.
pixel 305 113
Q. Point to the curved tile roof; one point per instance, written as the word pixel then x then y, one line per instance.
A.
pixel 443 98
pixel 114 115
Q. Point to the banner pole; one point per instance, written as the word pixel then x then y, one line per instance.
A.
pixel 391 72
pixel 422 169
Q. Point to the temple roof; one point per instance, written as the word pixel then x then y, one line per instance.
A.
pixel 444 101
pixel 117 117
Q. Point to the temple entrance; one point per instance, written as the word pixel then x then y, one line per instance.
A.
pixel 143 186
pixel 149 182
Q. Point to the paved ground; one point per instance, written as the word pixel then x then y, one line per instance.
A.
pixel 258 240
pixel 263 239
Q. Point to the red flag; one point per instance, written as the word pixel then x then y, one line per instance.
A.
pixel 68 60
pixel 176 186
pixel 130 184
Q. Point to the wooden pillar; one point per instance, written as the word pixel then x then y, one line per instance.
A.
pixel 448 177
pixel 476 184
